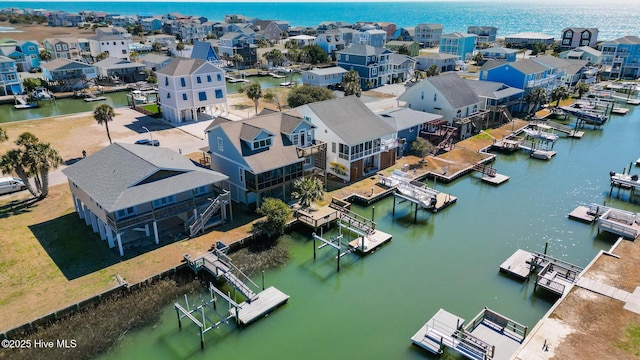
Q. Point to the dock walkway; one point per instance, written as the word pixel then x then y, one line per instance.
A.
pixel 266 301
pixel 568 130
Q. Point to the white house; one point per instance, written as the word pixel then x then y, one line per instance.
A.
pixel 191 89
pixel 114 42
pixel 450 96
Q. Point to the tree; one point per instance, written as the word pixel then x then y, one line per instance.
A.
pixel 277 214
pixel 274 98
pixel 351 83
pixel 403 50
pixel 581 88
pixel 316 54
pixel 422 147
pixel 237 59
pixel 3 135
pixel 306 94
pixel 308 190
pixel 433 71
pixel 31 84
pixel 103 55
pixel 134 55
pixel 477 58
pixel 156 46
pixel 103 115
pixel 559 93
pixel 275 56
pixel 137 29
pixel 180 47
pixel 254 92
pixel 45 55
pixel 152 79
pixel 534 98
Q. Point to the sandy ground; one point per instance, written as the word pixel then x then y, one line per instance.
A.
pixel 41 32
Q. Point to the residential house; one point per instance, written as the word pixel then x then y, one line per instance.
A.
pixel 30 52
pixel 359 142
pixel 450 96
pixel 573 37
pixel 325 77
pixel 236 19
pixel 499 53
pixel 120 70
pixel 444 62
pixel 192 30
pixel 301 30
pixel 62 18
pixel 458 43
pixel 579 71
pixel 264 155
pixel 373 64
pixel 154 61
pixel 332 25
pixel 10 83
pixel 239 43
pixel 526 40
pixel 163 39
pixel 113 40
pixel 331 41
pixel 190 89
pixel 68 75
pixel 220 28
pixel 151 24
pixel 588 53
pixel 128 192
pixel 63 48
pixel 556 68
pixel 412 47
pixel 621 58
pixel 408 124
pixel 402 67
pixel 388 27
pixel 302 40
pixel 428 35
pixel 498 98
pixel 122 20
pixel 485 35
pixel 404 34
pixel 204 50
pixel 268 29
pixel 370 36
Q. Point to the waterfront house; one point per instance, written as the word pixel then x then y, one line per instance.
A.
pixel 404 34
pixel 63 48
pixel 190 90
pixel 10 83
pixel 162 39
pixel 25 53
pixel 373 64
pixel 621 58
pixel 264 155
pixel 588 53
pixel 128 192
pixel 450 96
pixel 151 24
pixel 62 18
pixel 239 43
pixel 526 74
pixel 326 77
pixel 556 68
pixel 579 71
pixel 121 20
pixel 68 75
pixel 499 53
pixel 359 142
pixel 485 35
pixel 204 50
pixel 388 27
pixel 113 40
pixel 115 70
pixel 331 41
pixel 369 35
pixel 302 40
pixel 154 61
pixel 412 46
pixel 573 37
pixel 444 62
pixel 428 35
pixel 497 96
pixel 526 40
pixel 267 29
pixel 191 30
pixel 408 124
pixel 459 44
pixel 402 67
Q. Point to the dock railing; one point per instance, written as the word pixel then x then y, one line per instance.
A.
pixel 499 323
pixel 226 260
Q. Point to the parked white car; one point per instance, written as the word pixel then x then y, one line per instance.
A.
pixel 9 185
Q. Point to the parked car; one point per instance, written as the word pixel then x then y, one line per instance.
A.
pixel 9 185
pixel 148 142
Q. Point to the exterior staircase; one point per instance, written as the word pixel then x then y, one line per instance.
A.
pixel 198 222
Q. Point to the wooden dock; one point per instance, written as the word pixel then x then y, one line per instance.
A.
pixel 267 300
pixel 443 200
pixel 438 332
pixel 582 213
pixel 497 179
pixel 317 217
pixel 519 264
pixel 371 242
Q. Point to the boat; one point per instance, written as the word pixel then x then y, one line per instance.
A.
pixel 138 97
pixel 23 102
pixel 537 133
pixel 287 83
pixel 274 75
pixel 92 97
pixel 542 154
pixel 41 93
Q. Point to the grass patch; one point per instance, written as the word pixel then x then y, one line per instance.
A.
pixel 154 108
pixel 483 136
pixel 631 340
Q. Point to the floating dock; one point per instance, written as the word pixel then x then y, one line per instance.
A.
pixel 371 241
pixel 520 264
pixel 583 213
pixel 416 192
pixel 543 154
pixel 497 179
pixel 489 335
pixel 266 301
pixel 568 130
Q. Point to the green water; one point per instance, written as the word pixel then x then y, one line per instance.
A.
pixel 450 259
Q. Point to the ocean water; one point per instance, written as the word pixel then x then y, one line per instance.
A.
pixel 615 18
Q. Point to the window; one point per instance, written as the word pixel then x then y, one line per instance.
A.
pixel 202 96
pixel 58 47
pixel 435 97
pixel 333 147
pixel 168 95
pixel 166 81
pixel 241 175
pixel 259 144
pixel 124 52
pixel 184 97
pixel 11 77
pixel 200 190
pixel 183 82
pixel 208 78
pixel 346 57
pixel 164 201
pixel 198 80
pixel 114 43
pixel 219 94
pixel 121 214
pixel 121 42
pixel 422 95
pixel 220 144
pixel 343 151
pixel 65 47
pixel 219 77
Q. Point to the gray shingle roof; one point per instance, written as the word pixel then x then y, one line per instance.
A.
pixel 527 66
pixel 155 58
pixel 182 66
pixel 328 71
pixel 351 119
pixel 114 176
pixel 498 50
pixel 64 64
pixel 116 63
pixel 457 92
pixel 624 40
pixel 550 61
pixel 492 89
pixel 404 118
pixel 364 50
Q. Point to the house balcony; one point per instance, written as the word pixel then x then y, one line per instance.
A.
pixel 475 119
pixel 316 147
pixel 542 82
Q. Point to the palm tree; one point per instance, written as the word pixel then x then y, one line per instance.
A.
pixel 45 55
pixel 581 88
pixel 534 98
pixel 11 162
pixel 559 93
pixel 275 56
pixel 351 83
pixel 237 59
pixel 433 71
pixel 103 55
pixel 180 47
pixel 254 92
pixel 103 114
pixel 308 190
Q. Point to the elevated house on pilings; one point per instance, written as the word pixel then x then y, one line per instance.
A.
pixel 68 75
pixel 128 192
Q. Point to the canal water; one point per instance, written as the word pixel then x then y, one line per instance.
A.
pixel 450 260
